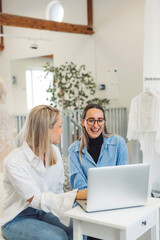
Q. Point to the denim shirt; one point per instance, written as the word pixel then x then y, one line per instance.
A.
pixel 113 152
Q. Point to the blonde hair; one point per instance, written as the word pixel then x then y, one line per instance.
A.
pixel 84 137
pixel 40 119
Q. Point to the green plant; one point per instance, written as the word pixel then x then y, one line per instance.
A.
pixel 71 87
pixel 102 102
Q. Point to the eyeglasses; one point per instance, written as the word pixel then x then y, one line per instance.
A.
pixel 92 121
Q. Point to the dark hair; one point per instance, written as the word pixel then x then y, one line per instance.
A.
pixel 94 105
pixel 84 136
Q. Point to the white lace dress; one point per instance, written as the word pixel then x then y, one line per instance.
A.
pixel 144 122
pixel 7 142
pixel 144 125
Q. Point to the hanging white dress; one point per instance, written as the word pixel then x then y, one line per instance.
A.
pixel 144 121
pixel 144 125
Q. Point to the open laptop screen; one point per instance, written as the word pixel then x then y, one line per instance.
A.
pixel 117 187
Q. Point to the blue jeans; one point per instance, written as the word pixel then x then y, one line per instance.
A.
pixel 32 224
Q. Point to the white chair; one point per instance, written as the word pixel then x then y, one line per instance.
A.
pixel 1 200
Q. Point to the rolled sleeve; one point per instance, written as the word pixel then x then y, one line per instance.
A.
pixel 57 204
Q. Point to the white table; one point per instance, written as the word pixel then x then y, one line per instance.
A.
pixel 122 224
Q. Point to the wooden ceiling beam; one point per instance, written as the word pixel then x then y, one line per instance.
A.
pixel 90 12
pixel 1 30
pixel 1 46
pixel 34 23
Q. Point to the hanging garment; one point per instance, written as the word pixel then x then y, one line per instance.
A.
pixel 144 121
pixel 144 126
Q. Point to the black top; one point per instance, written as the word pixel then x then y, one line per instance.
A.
pixel 94 147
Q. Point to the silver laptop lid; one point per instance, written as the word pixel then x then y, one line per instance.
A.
pixel 117 187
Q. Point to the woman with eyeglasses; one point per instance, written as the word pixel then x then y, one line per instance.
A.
pixel 96 148
pixel 34 200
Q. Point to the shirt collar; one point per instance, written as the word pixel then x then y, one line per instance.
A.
pixel 105 144
pixel 31 157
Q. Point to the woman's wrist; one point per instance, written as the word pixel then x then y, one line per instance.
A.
pixel 82 194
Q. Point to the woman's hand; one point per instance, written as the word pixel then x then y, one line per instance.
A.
pixel 82 194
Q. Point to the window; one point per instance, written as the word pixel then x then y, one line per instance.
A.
pixel 36 86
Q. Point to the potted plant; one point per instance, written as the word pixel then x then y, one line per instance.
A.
pixel 72 87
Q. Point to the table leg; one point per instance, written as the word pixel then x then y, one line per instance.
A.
pixel 155 228
pixel 123 235
pixel 77 232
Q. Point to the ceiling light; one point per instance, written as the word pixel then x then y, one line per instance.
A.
pixel 34 45
pixel 24 37
pixel 33 40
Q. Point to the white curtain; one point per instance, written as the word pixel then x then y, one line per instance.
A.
pixel 151 73
pixel 152 40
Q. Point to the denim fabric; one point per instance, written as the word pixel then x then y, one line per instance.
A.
pixel 113 152
pixel 32 224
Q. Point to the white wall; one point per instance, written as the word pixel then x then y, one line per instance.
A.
pixel 117 43
pixel 119 37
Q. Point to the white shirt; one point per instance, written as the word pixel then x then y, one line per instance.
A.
pixel 25 176
pixel 144 121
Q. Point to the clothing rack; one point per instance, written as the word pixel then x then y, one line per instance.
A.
pixel 152 79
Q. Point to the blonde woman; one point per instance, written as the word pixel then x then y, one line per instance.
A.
pixel 33 182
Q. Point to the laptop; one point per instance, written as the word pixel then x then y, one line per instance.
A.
pixel 116 187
